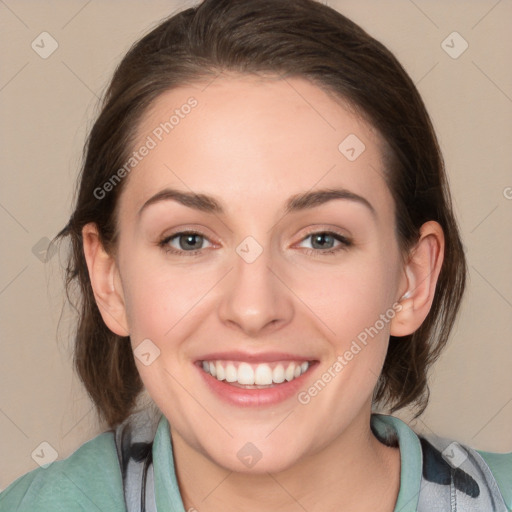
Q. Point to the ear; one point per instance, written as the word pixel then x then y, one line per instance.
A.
pixel 104 274
pixel 421 274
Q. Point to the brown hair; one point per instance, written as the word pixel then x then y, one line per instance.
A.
pixel 303 38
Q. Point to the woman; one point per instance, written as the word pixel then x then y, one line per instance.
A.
pixel 265 245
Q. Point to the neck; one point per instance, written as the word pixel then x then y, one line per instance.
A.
pixel 353 473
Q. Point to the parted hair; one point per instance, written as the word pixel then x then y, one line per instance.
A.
pixel 279 38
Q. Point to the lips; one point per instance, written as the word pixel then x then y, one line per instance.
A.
pixel 254 379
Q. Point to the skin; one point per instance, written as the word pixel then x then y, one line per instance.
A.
pixel 251 144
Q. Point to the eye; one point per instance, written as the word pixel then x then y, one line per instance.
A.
pixel 184 243
pixel 324 242
pixel 191 243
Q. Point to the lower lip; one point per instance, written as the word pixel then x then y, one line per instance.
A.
pixel 243 397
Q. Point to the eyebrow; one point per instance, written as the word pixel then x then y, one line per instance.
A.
pixel 295 203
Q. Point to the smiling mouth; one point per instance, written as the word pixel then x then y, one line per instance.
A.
pixel 255 376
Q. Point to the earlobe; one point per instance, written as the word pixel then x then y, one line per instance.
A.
pixel 103 273
pixel 422 271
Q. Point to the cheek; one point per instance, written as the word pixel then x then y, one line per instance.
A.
pixel 159 296
pixel 350 297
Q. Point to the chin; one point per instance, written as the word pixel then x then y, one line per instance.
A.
pixel 254 458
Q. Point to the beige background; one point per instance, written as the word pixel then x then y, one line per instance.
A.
pixel 47 105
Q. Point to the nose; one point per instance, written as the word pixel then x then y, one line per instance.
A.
pixel 255 299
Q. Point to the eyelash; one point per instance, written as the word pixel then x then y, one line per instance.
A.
pixel 345 243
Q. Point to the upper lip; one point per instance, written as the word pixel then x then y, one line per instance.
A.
pixel 261 357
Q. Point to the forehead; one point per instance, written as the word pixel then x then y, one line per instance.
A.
pixel 248 138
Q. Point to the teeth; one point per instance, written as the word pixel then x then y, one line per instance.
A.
pixel 245 374
pixel 231 373
pixel 255 374
pixel 263 375
pixel 278 374
pixel 219 370
pixel 290 372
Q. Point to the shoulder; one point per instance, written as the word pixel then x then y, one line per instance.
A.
pixel 449 475
pixel 89 479
pixel 500 465
pixel 473 479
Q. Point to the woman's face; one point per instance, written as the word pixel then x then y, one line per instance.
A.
pixel 287 275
